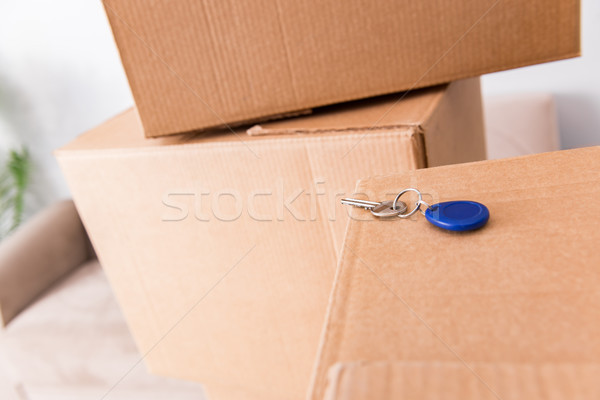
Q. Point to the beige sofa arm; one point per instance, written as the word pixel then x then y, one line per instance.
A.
pixel 38 254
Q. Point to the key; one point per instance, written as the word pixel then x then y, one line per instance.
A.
pixel 379 209
pixel 458 215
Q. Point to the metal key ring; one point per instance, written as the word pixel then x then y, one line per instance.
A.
pixel 422 203
pixel 417 204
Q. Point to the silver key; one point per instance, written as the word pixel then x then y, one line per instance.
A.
pixel 379 209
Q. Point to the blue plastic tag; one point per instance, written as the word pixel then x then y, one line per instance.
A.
pixel 458 215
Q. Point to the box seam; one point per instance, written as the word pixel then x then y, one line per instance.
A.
pixel 406 130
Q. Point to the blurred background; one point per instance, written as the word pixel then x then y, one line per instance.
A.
pixel 60 75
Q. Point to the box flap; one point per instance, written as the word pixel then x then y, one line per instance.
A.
pixel 524 289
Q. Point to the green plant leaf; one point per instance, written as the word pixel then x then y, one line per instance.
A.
pixel 14 178
pixel 19 166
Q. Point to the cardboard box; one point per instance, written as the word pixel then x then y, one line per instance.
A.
pixel 222 249
pixel 416 380
pixel 193 65
pixel 522 290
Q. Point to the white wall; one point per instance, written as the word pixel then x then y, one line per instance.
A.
pixel 60 75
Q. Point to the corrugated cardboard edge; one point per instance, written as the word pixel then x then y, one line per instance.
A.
pixel 237 124
pixel 389 380
pixel 318 370
pixel 415 132
pixel 334 379
pixel 67 151
pixel 258 130
pixel 389 106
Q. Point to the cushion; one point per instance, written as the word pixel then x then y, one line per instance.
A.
pixel 60 244
pixel 73 343
pixel 520 124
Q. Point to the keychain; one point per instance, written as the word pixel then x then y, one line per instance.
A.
pixel 458 215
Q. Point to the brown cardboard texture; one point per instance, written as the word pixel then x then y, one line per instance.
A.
pixel 193 65
pixel 521 291
pixel 415 380
pixel 222 249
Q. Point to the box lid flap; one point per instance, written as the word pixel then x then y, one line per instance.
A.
pixel 524 289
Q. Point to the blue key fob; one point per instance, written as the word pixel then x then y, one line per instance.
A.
pixel 458 215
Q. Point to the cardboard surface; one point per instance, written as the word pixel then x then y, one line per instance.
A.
pixel 194 65
pixel 389 380
pixel 233 292
pixel 522 290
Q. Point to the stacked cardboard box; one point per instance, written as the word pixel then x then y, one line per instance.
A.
pixel 194 65
pixel 221 243
pixel 256 215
